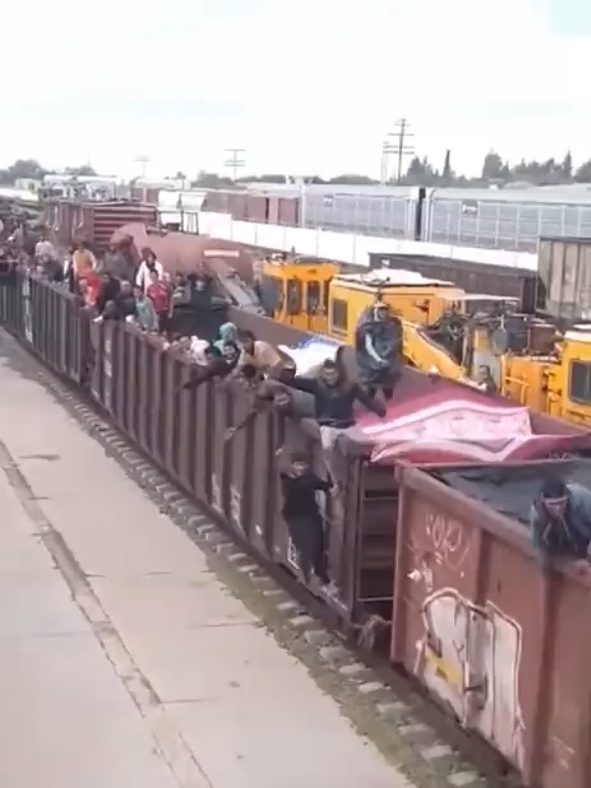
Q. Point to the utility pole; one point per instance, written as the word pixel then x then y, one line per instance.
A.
pixel 144 161
pixel 399 146
pixel 234 162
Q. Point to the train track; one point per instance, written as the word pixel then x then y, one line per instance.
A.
pixel 386 705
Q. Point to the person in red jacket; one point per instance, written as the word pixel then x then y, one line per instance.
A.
pixel 159 294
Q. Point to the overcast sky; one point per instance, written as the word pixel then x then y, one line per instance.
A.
pixel 304 85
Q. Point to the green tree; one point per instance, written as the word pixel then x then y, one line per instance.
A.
pixel 85 170
pixel 353 179
pixel 567 166
pixel 25 168
pixel 583 174
pixel 492 168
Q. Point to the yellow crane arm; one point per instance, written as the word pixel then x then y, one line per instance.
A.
pixel 425 354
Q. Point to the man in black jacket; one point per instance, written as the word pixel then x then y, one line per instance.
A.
pixel 334 401
pixel 303 518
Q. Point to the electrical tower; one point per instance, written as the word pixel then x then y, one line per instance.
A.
pixel 235 162
pixel 396 143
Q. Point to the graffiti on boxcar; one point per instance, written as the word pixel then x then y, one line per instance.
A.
pixel 470 657
pixel 448 539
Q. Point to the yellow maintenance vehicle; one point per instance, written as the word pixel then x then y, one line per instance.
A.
pixel 447 330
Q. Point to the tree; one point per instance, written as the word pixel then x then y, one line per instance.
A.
pixel 567 166
pixel 353 180
pixel 583 174
pixel 447 174
pixel 420 173
pixel 492 168
pixel 211 180
pixel 85 170
pixel 25 168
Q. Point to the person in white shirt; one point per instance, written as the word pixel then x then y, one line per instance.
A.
pixel 45 251
pixel 148 264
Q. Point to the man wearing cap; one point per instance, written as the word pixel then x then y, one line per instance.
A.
pixel 560 519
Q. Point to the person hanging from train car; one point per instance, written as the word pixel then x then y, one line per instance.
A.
pixel 334 401
pixel 378 349
pixel 259 353
pixel 560 520
pixel 148 263
pixel 159 294
pixel 45 251
pixel 145 314
pixel 303 518
pixel 220 365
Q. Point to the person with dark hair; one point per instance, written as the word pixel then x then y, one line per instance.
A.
pixel 220 366
pixel 149 263
pixel 259 353
pixel 560 519
pixel 378 349
pixel 108 290
pixel 302 516
pixel 334 401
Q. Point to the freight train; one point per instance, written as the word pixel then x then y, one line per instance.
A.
pixel 510 219
pixel 432 539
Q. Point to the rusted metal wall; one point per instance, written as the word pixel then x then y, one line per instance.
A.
pixel 496 639
pixel 94 221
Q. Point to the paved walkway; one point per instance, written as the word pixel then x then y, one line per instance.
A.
pixel 124 661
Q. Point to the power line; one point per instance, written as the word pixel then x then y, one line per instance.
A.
pixel 397 146
pixel 234 162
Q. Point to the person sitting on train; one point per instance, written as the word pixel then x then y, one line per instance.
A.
pixel 378 349
pixel 148 263
pixel 145 314
pixel 220 365
pixel 560 520
pixel 259 353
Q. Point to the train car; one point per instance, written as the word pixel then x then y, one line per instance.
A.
pixel 432 539
pixel 518 283
pixel 94 221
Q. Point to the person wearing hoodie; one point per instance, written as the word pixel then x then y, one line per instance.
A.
pixel 560 520
pixel 378 349
pixel 227 333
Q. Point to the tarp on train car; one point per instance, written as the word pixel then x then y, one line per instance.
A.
pixel 453 423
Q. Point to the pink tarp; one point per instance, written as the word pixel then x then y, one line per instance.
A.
pixel 460 425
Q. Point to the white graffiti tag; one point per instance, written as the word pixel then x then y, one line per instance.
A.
pixel 448 539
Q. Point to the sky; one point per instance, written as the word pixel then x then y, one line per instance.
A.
pixel 305 86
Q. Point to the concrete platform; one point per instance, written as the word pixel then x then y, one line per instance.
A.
pixel 130 664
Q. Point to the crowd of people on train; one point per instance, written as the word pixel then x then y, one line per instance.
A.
pixel 134 287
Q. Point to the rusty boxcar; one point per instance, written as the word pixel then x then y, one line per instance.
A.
pixel 500 642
